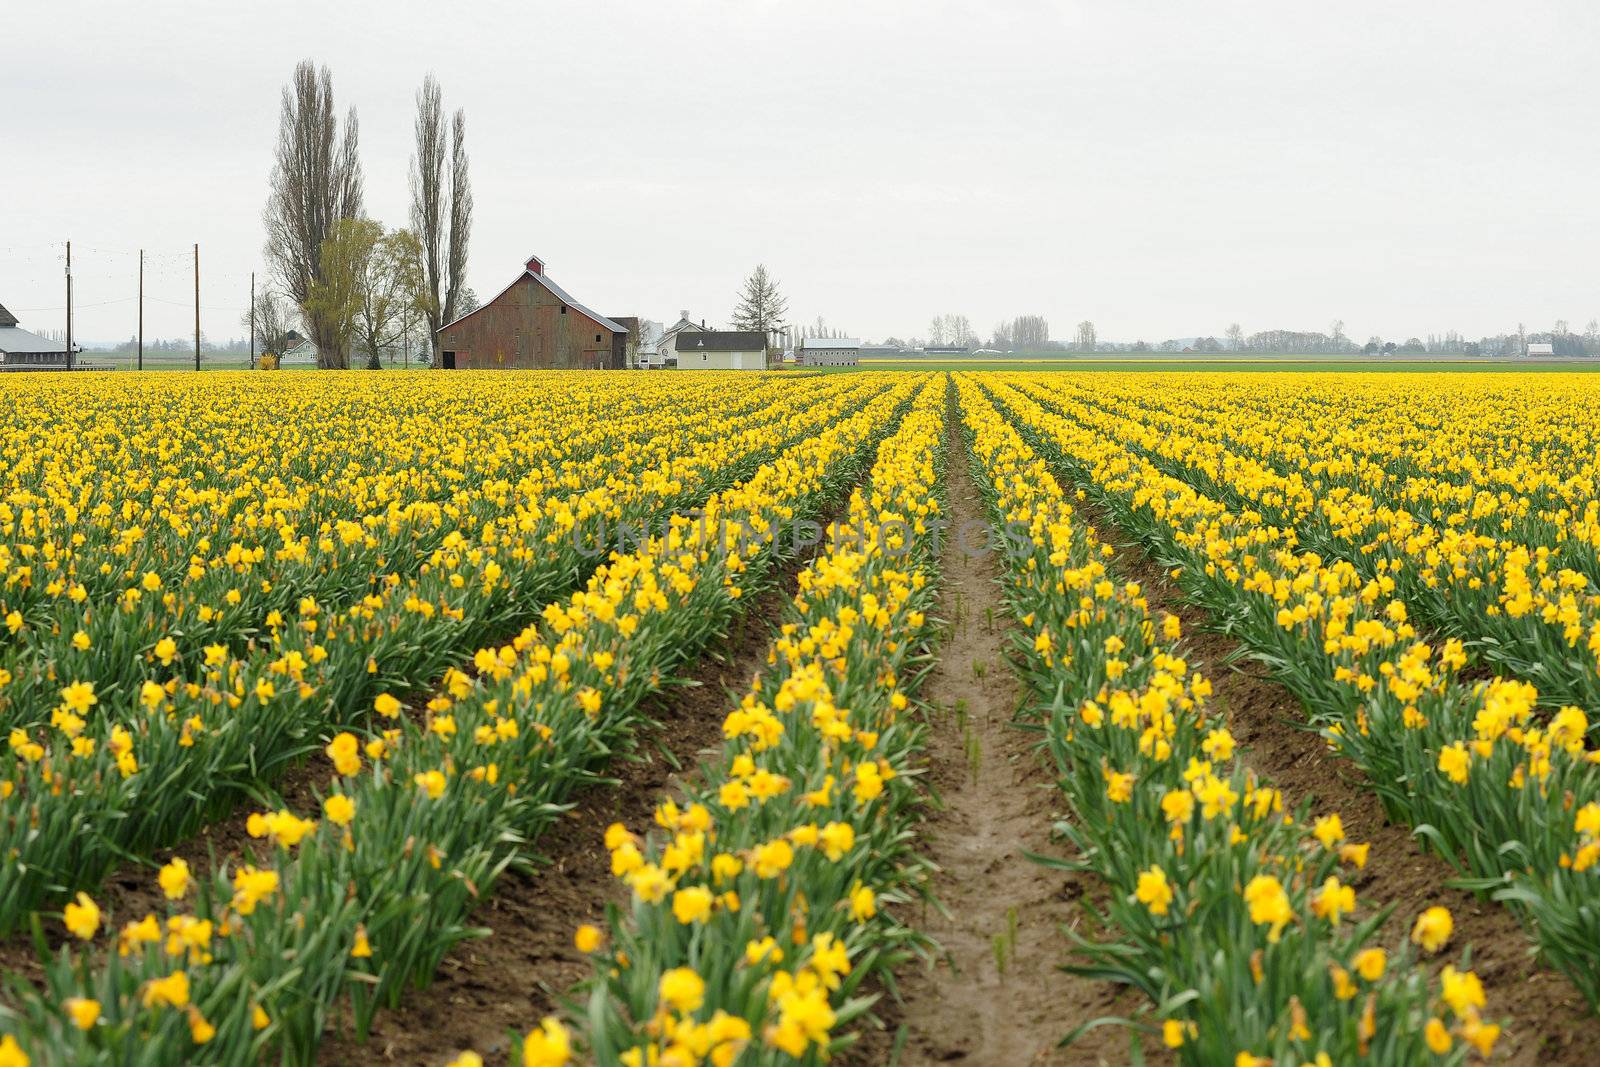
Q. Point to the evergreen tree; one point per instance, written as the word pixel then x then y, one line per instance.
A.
pixel 761 306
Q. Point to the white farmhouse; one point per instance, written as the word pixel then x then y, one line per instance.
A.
pixel 297 351
pixel 663 345
pixel 829 352
pixel 1539 348
pixel 718 349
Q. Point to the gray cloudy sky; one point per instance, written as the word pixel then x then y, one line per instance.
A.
pixel 1162 168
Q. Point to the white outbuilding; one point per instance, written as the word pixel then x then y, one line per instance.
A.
pixel 1540 348
pixel 719 349
pixel 21 350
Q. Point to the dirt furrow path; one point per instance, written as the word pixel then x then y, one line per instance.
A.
pixel 489 990
pixel 995 995
pixel 1549 1023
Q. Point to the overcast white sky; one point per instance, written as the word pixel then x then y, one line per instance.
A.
pixel 1161 168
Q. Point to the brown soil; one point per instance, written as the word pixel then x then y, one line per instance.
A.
pixel 998 804
pixel 1547 1021
pixel 489 990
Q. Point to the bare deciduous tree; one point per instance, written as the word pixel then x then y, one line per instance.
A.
pixel 952 330
pixel 441 205
pixel 1030 333
pixel 316 181
pixel 961 331
pixel 1087 342
pixel 273 321
pixel 413 343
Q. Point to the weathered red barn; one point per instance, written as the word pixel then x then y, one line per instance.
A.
pixel 533 323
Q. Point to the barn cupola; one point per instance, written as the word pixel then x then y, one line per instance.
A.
pixel 535 265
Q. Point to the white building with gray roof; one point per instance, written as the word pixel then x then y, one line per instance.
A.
pixel 22 350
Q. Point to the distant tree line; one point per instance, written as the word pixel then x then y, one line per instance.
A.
pixel 1563 341
pixel 953 330
pixel 818 330
pixel 1025 333
pixel 181 345
pixel 1030 333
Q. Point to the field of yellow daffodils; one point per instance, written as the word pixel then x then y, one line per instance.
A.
pixel 1434 611
pixel 1233 908
pixel 424 604
pixel 394 625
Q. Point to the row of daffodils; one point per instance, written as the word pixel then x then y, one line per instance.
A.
pixel 355 902
pixel 102 780
pixel 1513 572
pixel 756 899
pixel 136 530
pixel 1233 914
pixel 1508 793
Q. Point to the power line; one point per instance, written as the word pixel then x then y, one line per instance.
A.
pixel 190 304
pixel 80 307
pixel 185 253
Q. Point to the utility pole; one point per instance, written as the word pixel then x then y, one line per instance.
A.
pixel 141 309
pixel 252 320
pixel 69 305
pixel 196 307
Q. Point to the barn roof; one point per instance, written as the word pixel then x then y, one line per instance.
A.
pixel 555 290
pixel 13 339
pixel 682 326
pixel 829 342
pixel 721 341
pixel 563 296
pixel 6 318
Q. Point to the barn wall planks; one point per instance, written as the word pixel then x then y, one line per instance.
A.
pixel 527 326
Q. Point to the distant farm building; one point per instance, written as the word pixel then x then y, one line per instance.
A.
pixel 829 352
pixel 663 352
pixel 946 350
pixel 646 344
pixel 297 352
pixel 21 350
pixel 1539 348
pixel 719 349
pixel 630 345
pixel 533 323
